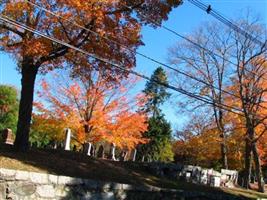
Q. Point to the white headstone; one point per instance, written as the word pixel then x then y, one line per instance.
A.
pixel 88 147
pixel 112 151
pixel 134 154
pixel 215 181
pixel 67 139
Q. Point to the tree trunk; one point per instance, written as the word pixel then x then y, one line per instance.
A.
pixel 29 72
pixel 258 168
pixel 220 125
pixel 224 152
pixel 247 164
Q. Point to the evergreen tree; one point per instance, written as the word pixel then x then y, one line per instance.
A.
pixel 159 131
pixel 8 107
pixel 156 93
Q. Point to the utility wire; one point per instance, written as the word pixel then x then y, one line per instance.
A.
pixel 192 42
pixel 180 90
pixel 130 50
pixel 221 18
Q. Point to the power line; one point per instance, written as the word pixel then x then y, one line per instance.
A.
pixel 180 90
pixel 132 51
pixel 221 18
pixel 192 42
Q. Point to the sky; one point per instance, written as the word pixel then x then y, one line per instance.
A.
pixel 183 20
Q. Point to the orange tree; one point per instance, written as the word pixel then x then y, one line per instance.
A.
pixel 94 109
pixel 111 18
pixel 251 88
pixel 197 145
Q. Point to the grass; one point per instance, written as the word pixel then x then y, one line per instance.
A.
pixel 77 165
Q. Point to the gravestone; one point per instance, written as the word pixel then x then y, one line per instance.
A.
pixel 112 151
pixel 204 177
pixel 123 155
pixel 100 152
pixel 229 177
pixel 7 136
pixel 215 181
pixel 134 154
pixel 87 148
pixel 93 150
pixel 67 139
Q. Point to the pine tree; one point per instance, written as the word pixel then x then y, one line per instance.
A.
pixel 159 131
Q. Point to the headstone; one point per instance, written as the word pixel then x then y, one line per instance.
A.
pixel 67 139
pixel 204 177
pixel 7 136
pixel 112 151
pixel 134 155
pixel 123 155
pixel 101 153
pixel 196 174
pixel 143 158
pixel 229 177
pixel 87 148
pixel 92 151
pixel 187 176
pixel 215 181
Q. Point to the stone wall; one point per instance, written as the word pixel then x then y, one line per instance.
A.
pixel 23 185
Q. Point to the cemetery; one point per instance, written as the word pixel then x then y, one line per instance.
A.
pixel 133 100
pixel 37 184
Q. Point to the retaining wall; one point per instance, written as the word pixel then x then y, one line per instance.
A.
pixel 23 185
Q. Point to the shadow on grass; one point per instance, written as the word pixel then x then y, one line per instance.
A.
pixel 75 164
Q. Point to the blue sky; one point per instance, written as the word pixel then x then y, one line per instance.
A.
pixel 183 19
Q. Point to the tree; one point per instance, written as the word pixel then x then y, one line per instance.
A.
pixel 211 71
pixel 94 109
pixel 250 86
pixel 113 19
pixel 159 130
pixel 191 145
pixel 8 107
pixel 156 93
pixel 235 78
pixel 159 147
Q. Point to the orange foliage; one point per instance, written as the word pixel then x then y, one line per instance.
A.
pixel 95 110
pixel 252 101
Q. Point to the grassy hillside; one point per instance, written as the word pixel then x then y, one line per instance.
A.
pixel 77 165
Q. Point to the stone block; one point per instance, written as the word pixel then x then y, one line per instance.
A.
pixel 127 187
pixel 39 178
pixel 22 175
pixel 101 196
pixel 155 189
pixel 23 189
pixel 105 186
pixel 90 184
pixel 46 191
pixel 2 191
pixel 117 186
pixel 53 179
pixel 60 191
pixel 66 180
pixel 7 172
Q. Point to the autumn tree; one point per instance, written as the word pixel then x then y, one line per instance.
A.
pixel 35 54
pixel 197 144
pixel 94 109
pixel 211 73
pixel 250 86
pixel 232 80
pixel 8 107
